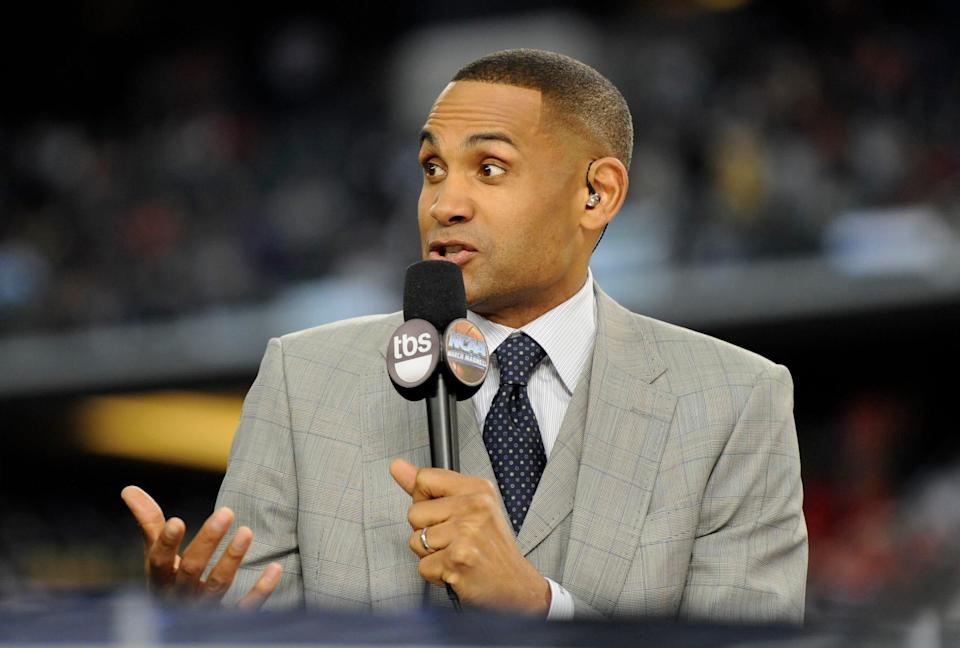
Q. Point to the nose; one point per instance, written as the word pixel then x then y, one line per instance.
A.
pixel 452 202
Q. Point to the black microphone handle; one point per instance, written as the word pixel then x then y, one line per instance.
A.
pixel 442 427
pixel 444 442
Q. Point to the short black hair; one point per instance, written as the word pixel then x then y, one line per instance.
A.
pixel 571 88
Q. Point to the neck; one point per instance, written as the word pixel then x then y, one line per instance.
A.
pixel 526 308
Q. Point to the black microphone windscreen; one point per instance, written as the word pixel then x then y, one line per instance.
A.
pixel 433 291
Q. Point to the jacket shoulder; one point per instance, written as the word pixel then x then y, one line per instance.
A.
pixel 695 360
pixel 361 340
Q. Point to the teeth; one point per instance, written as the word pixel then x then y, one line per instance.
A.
pixel 453 249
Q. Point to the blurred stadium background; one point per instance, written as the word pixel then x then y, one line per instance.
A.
pixel 181 181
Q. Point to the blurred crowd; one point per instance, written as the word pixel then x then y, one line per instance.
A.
pixel 219 178
pixel 201 201
pixel 880 498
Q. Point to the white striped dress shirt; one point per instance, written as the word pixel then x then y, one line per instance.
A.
pixel 567 333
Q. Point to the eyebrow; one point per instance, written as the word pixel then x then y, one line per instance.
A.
pixel 427 136
pixel 494 136
pixel 473 140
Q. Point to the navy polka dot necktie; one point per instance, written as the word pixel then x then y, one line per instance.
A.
pixel 511 432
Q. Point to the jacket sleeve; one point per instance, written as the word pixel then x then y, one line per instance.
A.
pixel 749 557
pixel 260 486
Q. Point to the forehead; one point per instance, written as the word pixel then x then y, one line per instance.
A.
pixel 467 106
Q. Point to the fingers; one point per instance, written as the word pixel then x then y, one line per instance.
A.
pixel 223 573
pixel 430 483
pixel 148 513
pixel 438 538
pixel 431 569
pixel 162 559
pixel 425 483
pixel 197 554
pixel 168 572
pixel 262 589
pixel 430 513
pixel 405 474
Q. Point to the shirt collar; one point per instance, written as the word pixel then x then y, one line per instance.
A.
pixel 566 332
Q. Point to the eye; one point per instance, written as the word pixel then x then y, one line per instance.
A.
pixel 491 170
pixel 433 170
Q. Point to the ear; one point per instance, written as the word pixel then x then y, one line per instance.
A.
pixel 610 180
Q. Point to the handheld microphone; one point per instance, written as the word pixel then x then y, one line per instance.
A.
pixel 441 369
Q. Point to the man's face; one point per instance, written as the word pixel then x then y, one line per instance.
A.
pixel 500 197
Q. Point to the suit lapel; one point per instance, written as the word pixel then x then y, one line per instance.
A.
pixel 473 453
pixel 626 431
pixel 554 496
pixel 474 459
pixel 553 499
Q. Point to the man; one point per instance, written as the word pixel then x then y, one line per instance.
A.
pixel 612 465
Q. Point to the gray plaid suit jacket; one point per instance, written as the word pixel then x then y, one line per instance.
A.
pixel 673 489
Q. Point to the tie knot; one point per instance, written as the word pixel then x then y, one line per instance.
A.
pixel 517 356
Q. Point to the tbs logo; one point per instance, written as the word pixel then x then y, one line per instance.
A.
pixel 413 353
pixel 406 346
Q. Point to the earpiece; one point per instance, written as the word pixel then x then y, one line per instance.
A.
pixel 594 198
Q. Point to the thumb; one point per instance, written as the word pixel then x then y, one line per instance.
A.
pixel 405 474
pixel 148 513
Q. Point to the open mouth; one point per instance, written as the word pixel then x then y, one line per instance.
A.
pixel 451 250
pixel 455 251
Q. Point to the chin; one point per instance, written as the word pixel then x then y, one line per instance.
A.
pixel 475 298
pixel 470 288
pixel 479 295
pixel 471 300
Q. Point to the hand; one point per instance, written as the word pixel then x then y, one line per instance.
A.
pixel 179 577
pixel 474 550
